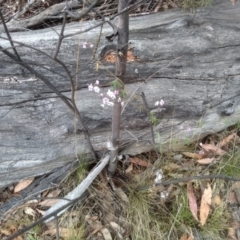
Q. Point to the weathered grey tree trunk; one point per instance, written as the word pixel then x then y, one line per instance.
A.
pixel 189 61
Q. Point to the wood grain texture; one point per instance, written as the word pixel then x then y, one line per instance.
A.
pixel 194 63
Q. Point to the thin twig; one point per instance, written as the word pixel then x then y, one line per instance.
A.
pixel 57 227
pixel 109 37
pixel 147 79
pixel 39 75
pixel 60 39
pixel 9 36
pixel 83 13
pixel 148 112
pixel 41 220
pixel 126 9
pixel 180 180
pixel 175 219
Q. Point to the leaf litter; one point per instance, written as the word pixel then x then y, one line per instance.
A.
pixel 105 212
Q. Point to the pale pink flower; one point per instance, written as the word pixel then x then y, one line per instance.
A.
pixel 105 100
pixel 85 45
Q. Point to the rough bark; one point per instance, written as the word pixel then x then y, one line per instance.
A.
pixel 194 64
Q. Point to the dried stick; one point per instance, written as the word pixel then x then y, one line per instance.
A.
pixel 80 189
pixel 186 179
pixel 148 112
pixel 122 47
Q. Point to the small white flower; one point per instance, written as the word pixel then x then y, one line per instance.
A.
pixel 85 45
pixel 90 87
pixel 97 82
pixel 96 89
pixel 158 176
pixel 111 94
pixel 91 45
pixel 201 152
pixel 159 103
pixel 164 194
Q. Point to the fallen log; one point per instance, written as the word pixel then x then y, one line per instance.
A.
pixel 191 61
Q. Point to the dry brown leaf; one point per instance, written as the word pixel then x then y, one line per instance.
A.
pixel 63 232
pixel 50 202
pixel 226 140
pixel 211 147
pixel 205 161
pixel 23 184
pixel 117 228
pixel 18 238
pixel 40 211
pixel 95 232
pixel 231 198
pixel 45 193
pixel 129 169
pixel 95 224
pixel 120 193
pixel 184 236
pixel 29 211
pixel 111 56
pixel 205 204
pixel 9 230
pixel 235 185
pixel 233 2
pixel 106 234
pixel 140 162
pixel 5 231
pixel 194 155
pixel 217 200
pixel 191 237
pixel 192 201
pixel 232 233
pixel 172 166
